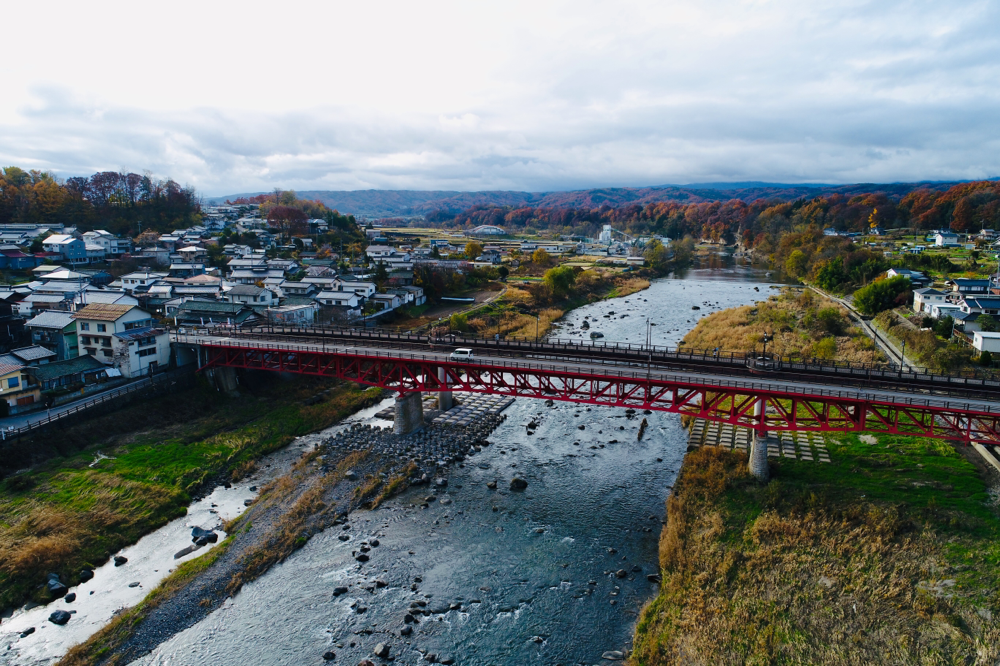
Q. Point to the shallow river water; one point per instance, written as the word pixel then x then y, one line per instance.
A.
pixel 529 577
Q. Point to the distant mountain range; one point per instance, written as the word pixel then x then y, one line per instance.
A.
pixel 406 203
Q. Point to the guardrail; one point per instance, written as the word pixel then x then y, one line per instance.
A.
pixel 132 387
pixel 650 374
pixel 656 353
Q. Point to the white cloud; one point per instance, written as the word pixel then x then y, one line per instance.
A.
pixel 530 96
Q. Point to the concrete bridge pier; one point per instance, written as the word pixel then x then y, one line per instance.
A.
pixel 409 413
pixel 758 451
pixel 223 379
pixel 445 398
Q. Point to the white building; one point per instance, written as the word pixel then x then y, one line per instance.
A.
pixel 122 336
pixel 923 299
pixel 983 341
pixel 945 238
pixel 113 246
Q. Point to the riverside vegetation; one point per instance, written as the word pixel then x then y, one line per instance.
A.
pixel 803 325
pixel 888 554
pixel 562 290
pixel 74 512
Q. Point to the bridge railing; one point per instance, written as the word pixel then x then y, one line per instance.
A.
pixel 656 353
pixel 650 375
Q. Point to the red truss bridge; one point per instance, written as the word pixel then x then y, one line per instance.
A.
pixel 761 403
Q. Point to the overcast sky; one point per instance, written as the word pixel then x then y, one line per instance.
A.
pixel 248 96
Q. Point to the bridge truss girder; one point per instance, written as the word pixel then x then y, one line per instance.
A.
pixel 735 404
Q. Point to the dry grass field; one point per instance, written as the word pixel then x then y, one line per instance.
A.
pixel 803 324
pixel 887 555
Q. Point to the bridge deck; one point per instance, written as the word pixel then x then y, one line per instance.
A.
pixel 788 405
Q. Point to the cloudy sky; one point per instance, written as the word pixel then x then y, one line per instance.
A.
pixel 248 96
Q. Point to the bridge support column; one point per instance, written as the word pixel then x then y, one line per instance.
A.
pixel 409 413
pixel 224 379
pixel 758 451
pixel 445 398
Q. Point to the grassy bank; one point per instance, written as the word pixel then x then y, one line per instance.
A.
pixel 72 512
pixel 888 554
pixel 516 313
pixel 803 325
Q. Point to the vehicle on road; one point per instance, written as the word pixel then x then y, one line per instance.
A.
pixel 461 354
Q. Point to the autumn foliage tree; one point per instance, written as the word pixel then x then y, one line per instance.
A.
pixel 287 220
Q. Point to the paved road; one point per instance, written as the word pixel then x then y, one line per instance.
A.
pixel 21 420
pixel 633 370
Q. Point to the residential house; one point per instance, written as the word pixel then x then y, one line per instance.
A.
pixel 186 269
pixel 157 255
pixel 55 331
pixel 33 355
pixel 17 389
pixel 924 298
pixel 98 323
pixel 980 305
pixel 917 279
pixel 301 289
pixel 945 239
pixel 212 313
pixel 95 253
pixel 69 373
pixel 384 302
pixel 13 258
pixel 141 351
pixel 249 294
pixel 380 251
pixel 939 310
pixel 363 289
pixel 986 342
pixel 341 299
pixel 73 250
pixel 193 254
pixel 140 280
pixel 969 286
pixel 113 246
pixel 293 314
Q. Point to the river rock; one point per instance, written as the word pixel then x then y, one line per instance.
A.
pixel 382 651
pixel 361 557
pixel 613 655
pixel 654 578
pixel 120 560
pixel 86 575
pixel 202 537
pixel 27 632
pixel 381 583
pixel 374 543
pixel 447 661
pixel 366 662
pixel 337 591
pixel 70 598
pixel 492 485
pixel 56 587
pixel 517 483
pixel 59 617
pixel 344 537
pixel 621 573
pixel 351 475
pixel 440 482
pixel 406 631
pixel 329 655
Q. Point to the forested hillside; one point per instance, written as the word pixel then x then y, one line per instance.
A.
pixel 118 202
pixel 403 203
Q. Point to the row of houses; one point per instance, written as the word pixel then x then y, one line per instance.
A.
pixel 71 350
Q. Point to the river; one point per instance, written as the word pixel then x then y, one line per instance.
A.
pixel 514 577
